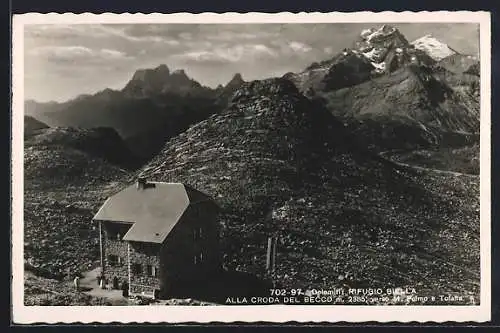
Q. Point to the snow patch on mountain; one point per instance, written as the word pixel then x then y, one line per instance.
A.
pixel 383 31
pixel 436 49
pixel 375 54
pixel 379 67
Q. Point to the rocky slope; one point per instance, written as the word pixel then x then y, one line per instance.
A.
pixel 280 164
pixel 411 106
pixel 67 174
pixel 101 142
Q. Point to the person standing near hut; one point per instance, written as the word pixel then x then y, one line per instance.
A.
pixel 100 281
pixel 76 282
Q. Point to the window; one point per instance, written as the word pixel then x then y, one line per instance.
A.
pixel 151 270
pixel 198 233
pixel 137 268
pixel 113 260
pixel 198 258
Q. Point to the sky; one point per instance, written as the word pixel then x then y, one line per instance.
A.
pixel 64 61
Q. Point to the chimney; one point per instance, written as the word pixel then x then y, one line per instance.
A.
pixel 141 183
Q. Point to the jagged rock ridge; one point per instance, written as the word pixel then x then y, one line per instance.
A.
pixel 159 80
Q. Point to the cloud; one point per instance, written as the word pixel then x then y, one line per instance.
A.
pixel 299 47
pixel 203 56
pixel 134 33
pixel 68 31
pixel 153 39
pixel 77 54
pixel 232 36
pixel 53 31
pixel 248 34
pixel 142 38
pixel 237 53
pixel 112 54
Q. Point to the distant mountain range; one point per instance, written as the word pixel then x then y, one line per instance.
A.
pixel 390 92
pixel 154 106
pixel 396 94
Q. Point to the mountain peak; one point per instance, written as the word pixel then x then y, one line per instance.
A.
pixel 387 28
pixel 179 72
pixel 436 49
pixel 385 47
pixel 381 33
pixel 159 80
pixel 146 74
pixel 236 81
pixel 237 77
pixel 162 69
